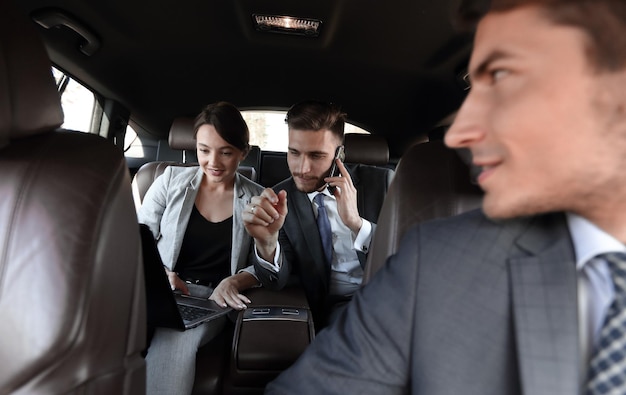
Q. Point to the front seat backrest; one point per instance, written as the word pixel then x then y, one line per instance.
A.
pixel 431 181
pixel 72 301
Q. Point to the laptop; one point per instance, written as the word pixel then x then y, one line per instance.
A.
pixel 166 308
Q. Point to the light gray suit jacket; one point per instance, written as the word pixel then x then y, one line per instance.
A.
pixel 467 306
pixel 168 204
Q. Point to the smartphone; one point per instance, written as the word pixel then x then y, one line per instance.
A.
pixel 334 170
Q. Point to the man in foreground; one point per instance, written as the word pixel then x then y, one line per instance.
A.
pixel 526 296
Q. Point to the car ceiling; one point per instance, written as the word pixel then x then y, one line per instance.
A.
pixel 394 66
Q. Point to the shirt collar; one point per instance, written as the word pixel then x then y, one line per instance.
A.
pixel 312 195
pixel 589 240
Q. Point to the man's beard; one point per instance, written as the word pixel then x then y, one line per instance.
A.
pixel 318 186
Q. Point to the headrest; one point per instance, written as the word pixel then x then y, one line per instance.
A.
pixel 29 97
pixel 181 134
pixel 367 149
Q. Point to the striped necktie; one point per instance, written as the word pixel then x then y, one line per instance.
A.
pixel 607 370
pixel 323 225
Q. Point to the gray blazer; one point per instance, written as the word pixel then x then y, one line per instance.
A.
pixel 168 204
pixel 467 306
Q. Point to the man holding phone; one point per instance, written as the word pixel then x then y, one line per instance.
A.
pixel 287 222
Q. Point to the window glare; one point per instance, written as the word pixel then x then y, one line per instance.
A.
pixel 132 145
pixel 57 75
pixel 78 104
pixel 268 129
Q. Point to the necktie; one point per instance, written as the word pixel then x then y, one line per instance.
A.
pixel 323 225
pixel 607 370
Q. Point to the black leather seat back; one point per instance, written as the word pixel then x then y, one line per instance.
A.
pixel 431 181
pixel 367 149
pixel 72 300
pixel 367 158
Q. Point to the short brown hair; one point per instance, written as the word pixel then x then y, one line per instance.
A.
pixel 604 22
pixel 227 121
pixel 316 115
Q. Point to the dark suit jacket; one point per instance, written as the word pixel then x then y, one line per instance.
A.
pixel 467 306
pixel 301 246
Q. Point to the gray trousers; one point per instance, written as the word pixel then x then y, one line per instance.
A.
pixel 171 358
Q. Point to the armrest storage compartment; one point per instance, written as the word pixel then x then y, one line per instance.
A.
pixel 269 336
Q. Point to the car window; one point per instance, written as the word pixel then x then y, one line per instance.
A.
pixel 77 101
pixel 268 129
pixel 133 147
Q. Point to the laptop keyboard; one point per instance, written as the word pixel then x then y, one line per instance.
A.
pixel 190 313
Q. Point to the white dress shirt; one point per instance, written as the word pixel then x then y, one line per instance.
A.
pixel 595 286
pixel 346 272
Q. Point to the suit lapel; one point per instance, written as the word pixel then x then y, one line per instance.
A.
pixel 308 228
pixel 239 243
pixel 545 309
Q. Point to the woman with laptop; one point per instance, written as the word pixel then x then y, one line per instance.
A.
pixel 194 214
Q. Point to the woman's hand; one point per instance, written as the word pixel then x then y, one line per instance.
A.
pixel 176 282
pixel 228 293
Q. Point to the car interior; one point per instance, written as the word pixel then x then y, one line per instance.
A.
pixel 67 233
pixel 73 298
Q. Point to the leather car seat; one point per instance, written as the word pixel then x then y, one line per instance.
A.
pixel 367 149
pixel 431 181
pixel 72 299
pixel 367 158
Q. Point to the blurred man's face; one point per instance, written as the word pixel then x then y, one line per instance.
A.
pixel 545 127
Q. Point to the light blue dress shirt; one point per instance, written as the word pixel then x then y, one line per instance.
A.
pixel 346 272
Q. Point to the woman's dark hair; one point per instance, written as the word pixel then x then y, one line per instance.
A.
pixel 604 22
pixel 316 115
pixel 227 121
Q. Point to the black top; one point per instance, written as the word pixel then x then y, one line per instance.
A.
pixel 205 253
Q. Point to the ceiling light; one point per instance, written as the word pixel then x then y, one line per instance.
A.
pixel 287 24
